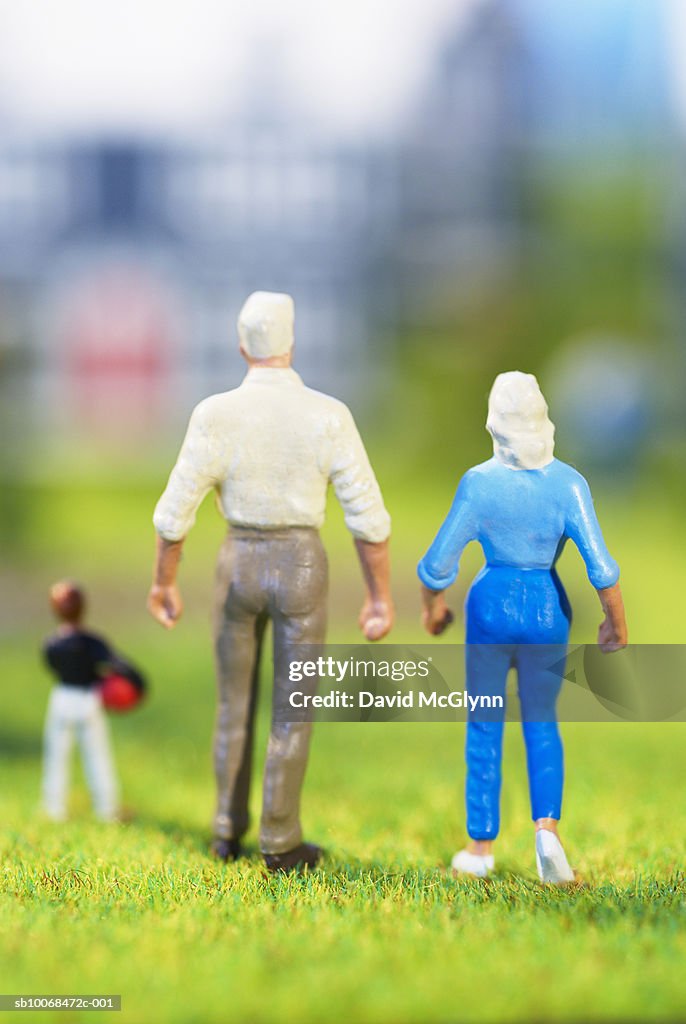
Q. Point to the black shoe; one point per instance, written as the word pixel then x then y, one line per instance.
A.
pixel 226 849
pixel 306 855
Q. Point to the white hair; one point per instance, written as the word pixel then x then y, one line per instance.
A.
pixel 265 324
pixel 523 436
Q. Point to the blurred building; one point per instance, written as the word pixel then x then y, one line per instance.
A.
pixel 525 90
pixel 123 264
pixel 460 159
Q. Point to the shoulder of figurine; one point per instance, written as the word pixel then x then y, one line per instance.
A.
pixel 471 484
pixel 333 410
pixel 88 637
pixel 211 405
pixel 569 474
pixel 480 476
pixel 571 485
pixel 67 637
pixel 325 399
pixel 483 469
pixel 212 412
pixel 91 635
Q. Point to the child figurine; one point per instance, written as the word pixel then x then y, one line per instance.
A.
pixel 521 505
pixel 80 660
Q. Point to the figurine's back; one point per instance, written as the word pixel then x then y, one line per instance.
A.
pixel 270 448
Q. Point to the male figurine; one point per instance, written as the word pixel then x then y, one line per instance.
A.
pixel 269 448
pixel 522 506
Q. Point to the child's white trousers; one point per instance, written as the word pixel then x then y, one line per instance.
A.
pixel 74 712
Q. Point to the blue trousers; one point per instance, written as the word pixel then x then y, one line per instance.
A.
pixel 516 618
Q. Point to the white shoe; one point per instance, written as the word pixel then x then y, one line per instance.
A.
pixel 551 861
pixel 476 864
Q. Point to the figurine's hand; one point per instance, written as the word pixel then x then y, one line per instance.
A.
pixel 165 604
pixel 609 638
pixel 436 619
pixel 376 618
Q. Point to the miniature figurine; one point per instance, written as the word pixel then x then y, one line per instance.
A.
pixel 269 448
pixel 80 660
pixel 522 505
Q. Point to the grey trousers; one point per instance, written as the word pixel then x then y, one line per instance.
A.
pixel 280 575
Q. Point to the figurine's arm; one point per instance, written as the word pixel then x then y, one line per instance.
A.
pixel 197 470
pixel 49 654
pixel 438 568
pixel 366 517
pixel 376 617
pixel 164 600
pixel 612 632
pixel 108 661
pixel 436 616
pixel 603 572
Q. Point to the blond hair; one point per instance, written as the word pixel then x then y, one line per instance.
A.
pixel 518 422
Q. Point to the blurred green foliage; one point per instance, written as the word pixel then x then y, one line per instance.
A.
pixel 591 255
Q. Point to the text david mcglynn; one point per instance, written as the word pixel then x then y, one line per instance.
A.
pixel 410 699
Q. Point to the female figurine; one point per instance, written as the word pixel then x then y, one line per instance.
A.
pixel 521 505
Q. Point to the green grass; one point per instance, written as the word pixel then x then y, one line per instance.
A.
pixel 382 932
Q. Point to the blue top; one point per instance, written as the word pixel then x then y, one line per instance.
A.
pixel 522 518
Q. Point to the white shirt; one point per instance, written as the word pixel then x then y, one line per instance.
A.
pixel 270 448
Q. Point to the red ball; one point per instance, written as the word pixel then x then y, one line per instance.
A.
pixel 119 693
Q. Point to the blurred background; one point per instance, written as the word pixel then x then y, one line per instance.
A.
pixel 447 189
